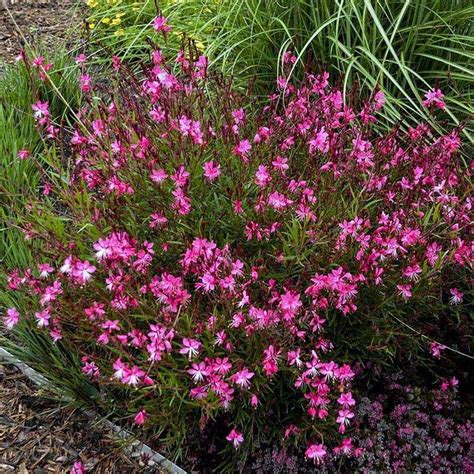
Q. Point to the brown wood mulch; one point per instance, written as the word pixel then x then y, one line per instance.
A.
pixel 45 22
pixel 39 435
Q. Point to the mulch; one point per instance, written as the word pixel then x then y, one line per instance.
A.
pixel 40 435
pixel 39 22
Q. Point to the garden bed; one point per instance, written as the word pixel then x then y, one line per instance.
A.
pixel 39 434
pixel 101 445
pixel 45 22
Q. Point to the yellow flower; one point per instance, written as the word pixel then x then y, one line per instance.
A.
pixel 116 21
pixel 106 20
pixel 119 32
pixel 92 3
pixel 199 45
pixel 91 26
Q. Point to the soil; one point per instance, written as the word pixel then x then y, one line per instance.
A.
pixel 45 22
pixel 40 435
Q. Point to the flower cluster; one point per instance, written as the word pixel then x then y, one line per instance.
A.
pixel 204 253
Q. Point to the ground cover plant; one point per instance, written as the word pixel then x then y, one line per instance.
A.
pixel 399 46
pixel 410 428
pixel 231 272
pixel 397 428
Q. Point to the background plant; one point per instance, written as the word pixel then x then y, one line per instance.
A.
pixel 401 46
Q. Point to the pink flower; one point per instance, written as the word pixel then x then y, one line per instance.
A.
pixel 24 154
pixel 379 100
pixel 235 437
pixel 198 393
pixel 456 296
pixel 41 109
pixel 434 97
pixel 344 418
pixel 238 209
pixel 160 24
pixel 78 468
pixel 242 378
pixel 436 349
pixel 405 291
pixel 211 170
pixel 42 318
pixel 238 115
pixel 51 292
pixel 262 176
pixel 85 83
pixel 280 163
pixel 346 400
pixel 82 271
pixel 12 318
pixel 80 59
pixel 198 371
pixel 294 358
pixel 319 142
pixel 190 347
pixel 290 302
pixel 412 272
pixel 90 369
pixel 316 452
pixel 45 269
pixel 116 62
pixel 270 360
pixel 254 401
pixel 120 369
pixel 99 127
pixel 278 200
pixel 242 149
pixel 133 376
pixel 140 417
pixel 38 61
pixel 158 176
pixel 346 447
pixel 56 334
pixel 67 265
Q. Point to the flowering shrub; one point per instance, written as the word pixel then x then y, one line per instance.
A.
pixel 203 260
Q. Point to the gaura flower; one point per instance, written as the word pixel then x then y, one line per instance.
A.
pixel 11 319
pixel 316 452
pixel 140 417
pixel 235 437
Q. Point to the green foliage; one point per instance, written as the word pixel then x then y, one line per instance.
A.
pixel 18 91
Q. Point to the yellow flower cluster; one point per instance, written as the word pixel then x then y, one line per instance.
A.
pixel 100 7
pixel 100 3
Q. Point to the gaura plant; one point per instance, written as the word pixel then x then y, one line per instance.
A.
pixel 205 261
